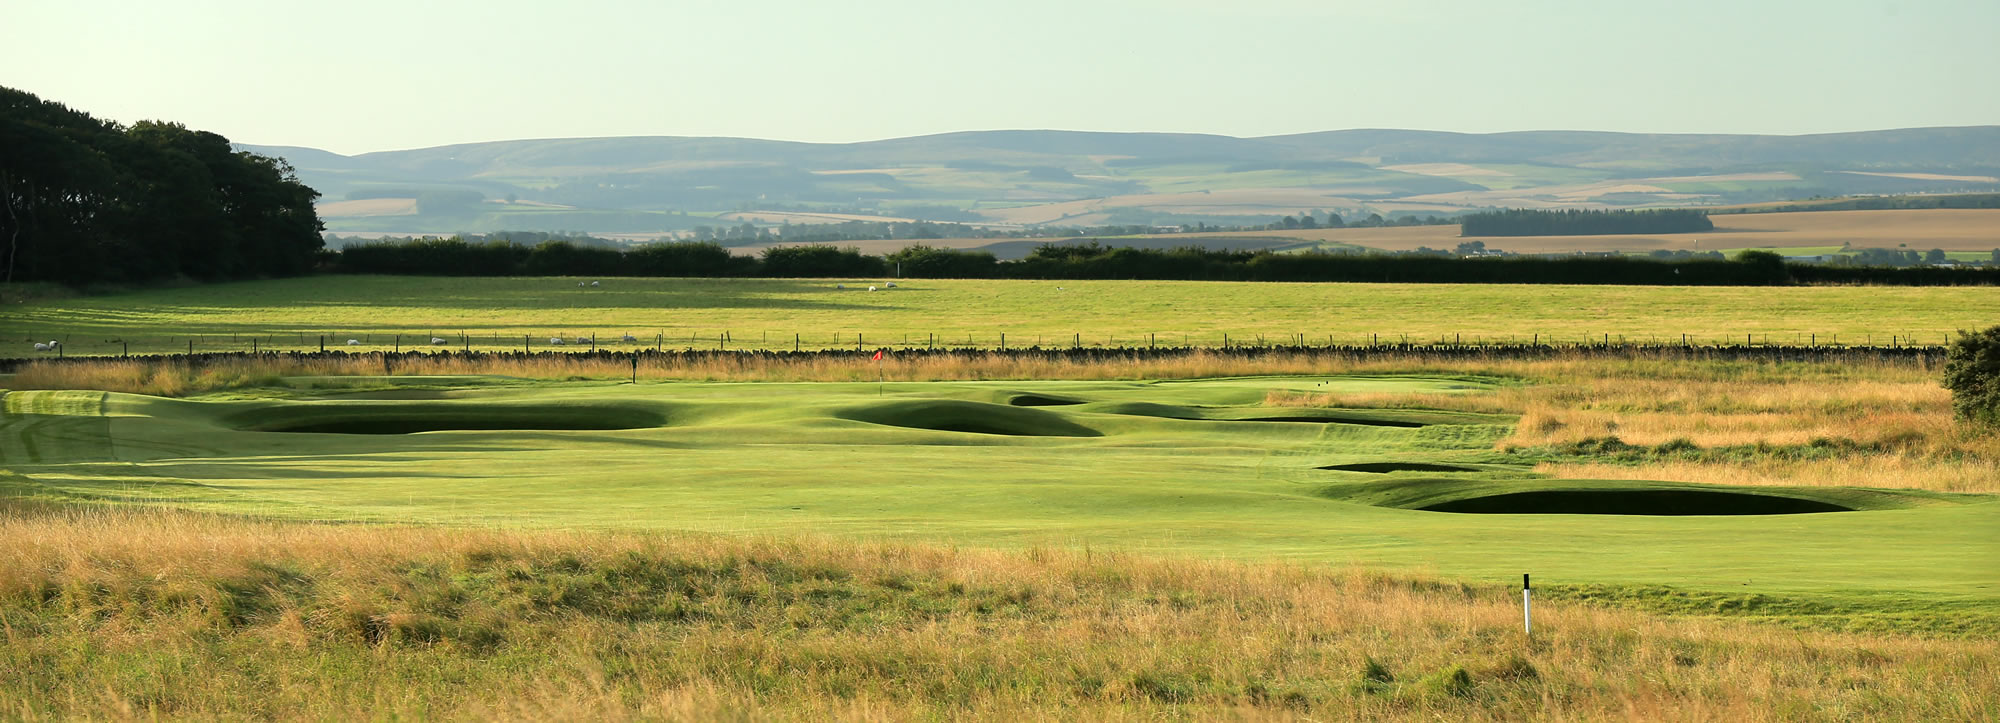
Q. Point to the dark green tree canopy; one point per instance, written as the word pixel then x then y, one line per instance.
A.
pixel 84 200
pixel 1972 373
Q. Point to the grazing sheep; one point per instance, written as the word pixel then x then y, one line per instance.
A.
pixel 585 340
pixel 354 342
pixel 41 347
pixel 437 341
pixel 593 284
pixel 580 284
pixel 840 286
pixel 891 284
pixel 629 338
pixel 871 288
pixel 556 340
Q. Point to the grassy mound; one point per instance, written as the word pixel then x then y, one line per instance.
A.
pixel 949 415
pixel 146 614
pixel 402 417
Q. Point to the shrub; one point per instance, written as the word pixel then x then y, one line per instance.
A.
pixel 1972 373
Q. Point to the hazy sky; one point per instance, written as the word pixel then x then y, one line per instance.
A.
pixel 363 75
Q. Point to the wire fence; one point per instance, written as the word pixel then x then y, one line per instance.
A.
pixel 1074 348
pixel 586 340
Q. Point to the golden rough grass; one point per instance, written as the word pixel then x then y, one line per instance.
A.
pixel 1899 411
pixel 128 613
pixel 177 379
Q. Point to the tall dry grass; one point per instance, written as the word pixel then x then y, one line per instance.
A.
pixel 124 613
pixel 1897 413
pixel 176 378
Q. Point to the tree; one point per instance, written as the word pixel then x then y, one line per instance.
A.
pixel 85 200
pixel 1972 373
pixel 1935 256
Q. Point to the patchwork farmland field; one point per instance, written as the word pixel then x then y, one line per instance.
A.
pixel 1973 233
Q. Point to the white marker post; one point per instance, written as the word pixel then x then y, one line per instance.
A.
pixel 1527 615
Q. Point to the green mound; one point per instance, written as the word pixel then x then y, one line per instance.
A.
pixel 1635 502
pixel 368 417
pixel 1385 467
pixel 946 415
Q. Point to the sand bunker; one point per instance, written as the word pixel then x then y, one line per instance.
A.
pixel 1634 502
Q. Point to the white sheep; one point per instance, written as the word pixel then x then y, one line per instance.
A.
pixel 354 342
pixel 556 340
pixel 628 338
pixel 585 340
pixel 53 343
pixel 580 284
pixel 593 284
pixel 891 284
pixel 871 288
pixel 437 341
pixel 41 347
pixel 840 286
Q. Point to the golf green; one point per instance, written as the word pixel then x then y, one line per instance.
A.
pixel 1197 468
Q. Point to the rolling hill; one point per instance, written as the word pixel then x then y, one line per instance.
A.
pixel 1020 178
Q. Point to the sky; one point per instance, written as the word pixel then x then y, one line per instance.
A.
pixel 366 75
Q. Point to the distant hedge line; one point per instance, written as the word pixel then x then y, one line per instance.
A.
pixel 454 257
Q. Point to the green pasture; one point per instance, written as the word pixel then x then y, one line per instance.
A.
pixel 766 313
pixel 1175 468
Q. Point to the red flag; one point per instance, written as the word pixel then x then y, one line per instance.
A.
pixel 878 355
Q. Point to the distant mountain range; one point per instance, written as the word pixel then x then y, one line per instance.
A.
pixel 1038 178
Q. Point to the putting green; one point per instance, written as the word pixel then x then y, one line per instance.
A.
pixel 1172 467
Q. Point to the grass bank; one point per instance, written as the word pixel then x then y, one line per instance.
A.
pixel 119 613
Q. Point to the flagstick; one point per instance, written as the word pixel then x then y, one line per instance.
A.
pixel 1527 618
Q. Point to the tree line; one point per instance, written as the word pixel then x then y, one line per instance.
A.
pixel 1575 222
pixel 84 200
pixel 458 257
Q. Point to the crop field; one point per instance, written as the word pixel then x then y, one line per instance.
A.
pixel 1971 234
pixel 381 312
pixel 1965 230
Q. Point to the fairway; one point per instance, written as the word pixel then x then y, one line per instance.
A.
pixel 505 313
pixel 1197 468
